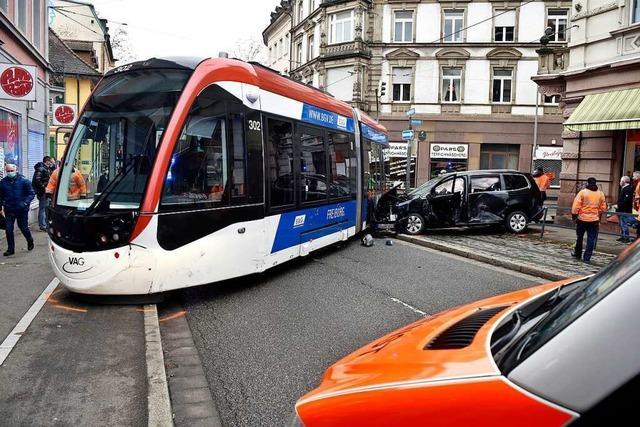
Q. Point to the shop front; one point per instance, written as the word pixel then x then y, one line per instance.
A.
pixel 445 158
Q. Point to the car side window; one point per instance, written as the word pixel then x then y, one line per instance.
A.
pixel 483 184
pixel 515 182
pixel 459 186
pixel 443 188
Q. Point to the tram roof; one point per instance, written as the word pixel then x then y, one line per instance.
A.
pixel 259 75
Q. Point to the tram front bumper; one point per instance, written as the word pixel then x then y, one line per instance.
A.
pixel 121 271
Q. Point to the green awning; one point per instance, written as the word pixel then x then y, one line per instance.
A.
pixel 617 110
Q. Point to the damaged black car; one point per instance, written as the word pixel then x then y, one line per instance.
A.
pixel 466 199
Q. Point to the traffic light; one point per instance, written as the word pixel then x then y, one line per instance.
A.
pixel 383 88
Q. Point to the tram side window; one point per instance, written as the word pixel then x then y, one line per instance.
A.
pixel 199 173
pixel 343 164
pixel 313 165
pixel 238 152
pixel 280 148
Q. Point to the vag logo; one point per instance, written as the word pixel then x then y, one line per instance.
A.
pixel 76 261
pixel 75 265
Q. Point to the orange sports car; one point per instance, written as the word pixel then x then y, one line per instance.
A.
pixel 565 353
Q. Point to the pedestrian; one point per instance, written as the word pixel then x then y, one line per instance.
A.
pixel 587 207
pixel 16 194
pixel 625 208
pixel 543 182
pixel 39 181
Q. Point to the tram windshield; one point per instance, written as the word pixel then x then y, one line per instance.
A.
pixel 112 150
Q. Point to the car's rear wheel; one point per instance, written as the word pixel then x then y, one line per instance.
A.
pixel 517 222
pixel 415 224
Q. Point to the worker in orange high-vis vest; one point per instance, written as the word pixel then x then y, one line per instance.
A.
pixel 543 181
pixel 587 207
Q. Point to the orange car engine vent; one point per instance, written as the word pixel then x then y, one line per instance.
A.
pixel 461 334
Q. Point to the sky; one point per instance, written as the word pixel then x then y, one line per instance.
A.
pixel 186 27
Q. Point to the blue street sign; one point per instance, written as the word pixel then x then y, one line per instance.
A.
pixel 416 122
pixel 407 135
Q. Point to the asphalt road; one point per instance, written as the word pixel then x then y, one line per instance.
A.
pixel 266 340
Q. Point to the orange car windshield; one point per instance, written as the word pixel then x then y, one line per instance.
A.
pixel 575 305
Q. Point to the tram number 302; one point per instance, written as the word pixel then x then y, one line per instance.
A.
pixel 255 125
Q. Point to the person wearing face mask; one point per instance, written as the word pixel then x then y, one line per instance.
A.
pixel 40 180
pixel 16 194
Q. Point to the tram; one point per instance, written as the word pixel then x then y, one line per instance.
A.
pixel 183 172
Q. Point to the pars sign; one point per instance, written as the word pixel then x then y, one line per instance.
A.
pixel 449 151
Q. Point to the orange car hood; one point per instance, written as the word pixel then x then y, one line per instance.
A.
pixel 400 357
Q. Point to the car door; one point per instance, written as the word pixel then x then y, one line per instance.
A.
pixel 446 201
pixel 487 199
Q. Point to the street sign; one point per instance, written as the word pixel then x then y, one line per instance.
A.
pixel 416 122
pixel 422 136
pixel 411 112
pixel 407 135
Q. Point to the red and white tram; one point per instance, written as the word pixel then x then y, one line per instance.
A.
pixel 184 172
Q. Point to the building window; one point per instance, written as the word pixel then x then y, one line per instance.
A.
pixel 340 82
pixel 21 15
pixel 451 84
pixel 312 6
pixel 300 11
pixel 402 84
pixel 403 25
pixel 3 5
pixel 552 100
pixel 298 53
pixel 310 48
pixel 505 23
pixel 502 81
pixel 635 12
pixel 499 156
pixel 342 24
pixel 453 25
pixel 557 19
pixel 37 13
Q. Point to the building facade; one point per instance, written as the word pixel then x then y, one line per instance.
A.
pixel 464 66
pixel 24 85
pixel 599 91
pixel 72 81
pixel 78 24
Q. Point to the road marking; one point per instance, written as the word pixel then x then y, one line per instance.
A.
pixel 158 403
pixel 14 336
pixel 410 307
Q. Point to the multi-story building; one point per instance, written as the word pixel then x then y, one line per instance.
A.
pixel 72 81
pixel 23 83
pixel 465 67
pixel 78 24
pixel 598 83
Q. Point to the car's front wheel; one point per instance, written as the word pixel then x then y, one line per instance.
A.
pixel 415 224
pixel 517 222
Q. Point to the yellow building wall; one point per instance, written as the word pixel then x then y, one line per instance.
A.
pixel 77 92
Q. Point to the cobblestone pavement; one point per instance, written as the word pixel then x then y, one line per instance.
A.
pixel 536 254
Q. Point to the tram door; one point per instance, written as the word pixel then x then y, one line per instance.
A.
pixel 212 201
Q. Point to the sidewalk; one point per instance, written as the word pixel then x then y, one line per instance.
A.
pixel 549 258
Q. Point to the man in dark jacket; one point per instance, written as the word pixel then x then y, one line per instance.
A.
pixel 16 195
pixel 625 207
pixel 40 180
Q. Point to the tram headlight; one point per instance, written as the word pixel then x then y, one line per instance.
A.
pixel 103 239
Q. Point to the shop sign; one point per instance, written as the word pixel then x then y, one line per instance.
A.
pixel 18 82
pixel 548 153
pixel 397 149
pixel 449 151
pixel 64 114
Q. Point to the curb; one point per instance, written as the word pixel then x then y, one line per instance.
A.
pixel 509 265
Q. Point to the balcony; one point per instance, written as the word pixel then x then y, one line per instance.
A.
pixel 552 59
pixel 349 49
